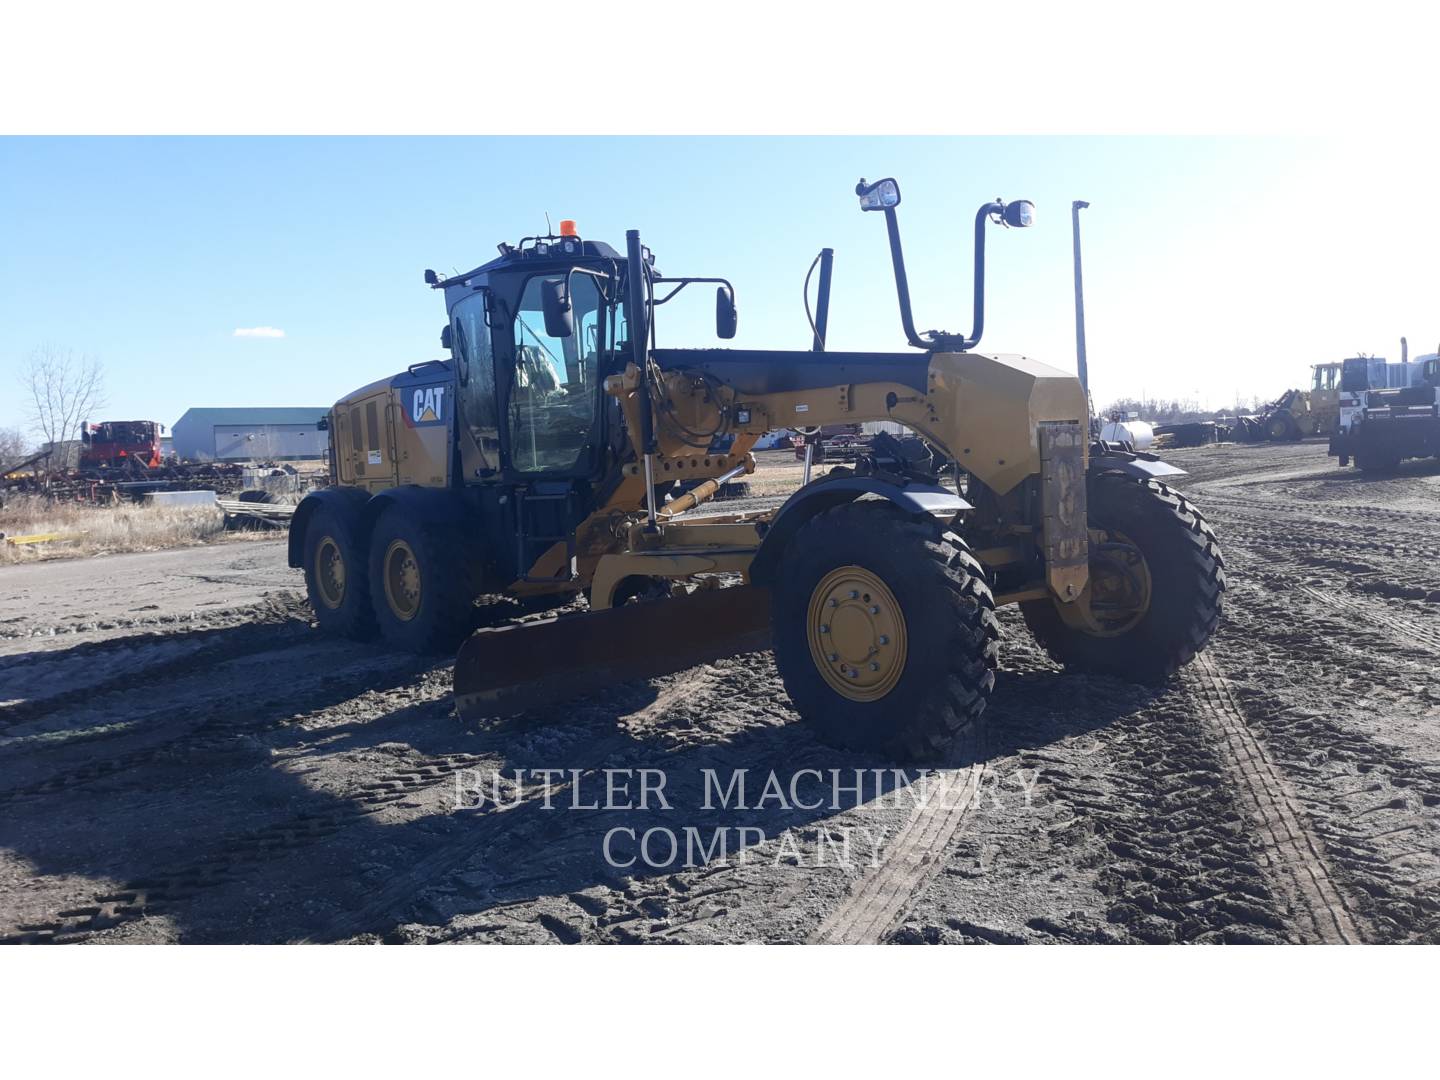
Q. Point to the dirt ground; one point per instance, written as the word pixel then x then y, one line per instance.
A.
pixel 184 758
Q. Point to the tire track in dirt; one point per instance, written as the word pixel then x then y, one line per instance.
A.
pixel 224 734
pixel 1410 633
pixel 238 854
pixel 265 628
pixel 876 903
pixel 156 893
pixel 1292 856
pixel 1364 765
pixel 148 679
pixel 1309 510
pixel 1333 538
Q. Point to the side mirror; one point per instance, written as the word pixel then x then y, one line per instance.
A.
pixel 559 322
pixel 431 278
pixel 725 316
pixel 881 195
pixel 1019 214
pixel 446 338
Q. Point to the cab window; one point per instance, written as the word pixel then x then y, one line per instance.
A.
pixel 477 376
pixel 555 386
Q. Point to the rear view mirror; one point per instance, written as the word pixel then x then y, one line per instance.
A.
pixel 725 315
pixel 559 322
pixel 881 195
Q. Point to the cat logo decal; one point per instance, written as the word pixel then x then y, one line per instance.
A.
pixel 427 406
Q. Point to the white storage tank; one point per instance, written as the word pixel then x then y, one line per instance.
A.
pixel 1138 433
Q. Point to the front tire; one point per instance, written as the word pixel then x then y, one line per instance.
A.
pixel 885 632
pixel 1183 579
pixel 422 583
pixel 1282 428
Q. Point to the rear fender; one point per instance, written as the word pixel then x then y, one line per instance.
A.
pixel 347 501
pixel 438 505
pixel 928 502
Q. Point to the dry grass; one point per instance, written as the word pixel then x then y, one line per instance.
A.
pixel 97 530
pixel 780 479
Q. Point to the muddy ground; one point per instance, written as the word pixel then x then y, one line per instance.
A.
pixel 183 758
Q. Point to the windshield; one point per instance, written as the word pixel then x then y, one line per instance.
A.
pixel 555 388
pixel 123 433
pixel 1355 375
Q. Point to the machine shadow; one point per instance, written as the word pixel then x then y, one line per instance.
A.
pixel 235 849
pixel 531 850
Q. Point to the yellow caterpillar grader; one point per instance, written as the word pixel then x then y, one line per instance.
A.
pixel 533 463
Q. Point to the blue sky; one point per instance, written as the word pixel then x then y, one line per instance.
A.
pixel 1212 266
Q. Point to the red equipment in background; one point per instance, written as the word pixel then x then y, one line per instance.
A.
pixel 120 444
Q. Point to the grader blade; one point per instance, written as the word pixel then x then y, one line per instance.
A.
pixel 505 670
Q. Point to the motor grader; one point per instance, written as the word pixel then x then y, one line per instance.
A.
pixel 531 462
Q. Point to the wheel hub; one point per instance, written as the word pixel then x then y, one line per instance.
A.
pixel 402 580
pixel 330 572
pixel 856 632
pixel 1118 594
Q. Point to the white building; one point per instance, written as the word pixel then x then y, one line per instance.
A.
pixel 254 434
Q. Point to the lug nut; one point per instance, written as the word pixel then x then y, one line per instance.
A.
pixel 853 673
pixel 832 657
pixel 874 667
pixel 874 610
pixel 824 628
pixel 834 602
pixel 854 595
pixel 884 640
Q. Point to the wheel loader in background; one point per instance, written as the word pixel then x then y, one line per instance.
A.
pixel 1296 414
pixel 528 463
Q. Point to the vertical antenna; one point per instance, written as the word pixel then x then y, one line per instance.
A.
pixel 548 231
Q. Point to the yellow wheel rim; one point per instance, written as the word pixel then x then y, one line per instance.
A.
pixel 402 580
pixel 330 572
pixel 856 632
pixel 1120 586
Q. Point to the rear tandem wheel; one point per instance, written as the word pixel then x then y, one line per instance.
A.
pixel 335 575
pixel 422 582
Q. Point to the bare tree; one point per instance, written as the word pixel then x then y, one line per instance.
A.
pixel 13 447
pixel 65 389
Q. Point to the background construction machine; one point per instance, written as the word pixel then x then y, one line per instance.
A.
pixel 1296 414
pixel 130 445
pixel 1382 425
pixel 527 464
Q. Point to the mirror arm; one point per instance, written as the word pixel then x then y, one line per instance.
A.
pixel 902 283
pixel 683 281
pixel 981 216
